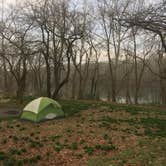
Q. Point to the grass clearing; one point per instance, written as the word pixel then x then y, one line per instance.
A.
pixel 92 133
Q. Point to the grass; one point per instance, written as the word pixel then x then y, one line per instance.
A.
pixel 105 147
pixel 154 127
pixel 9 159
pixel 58 147
pixel 92 133
pixel 89 150
pixel 72 107
pixel 74 146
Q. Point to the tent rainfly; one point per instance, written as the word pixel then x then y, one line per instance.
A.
pixel 42 109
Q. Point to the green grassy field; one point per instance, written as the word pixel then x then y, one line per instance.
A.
pixel 92 133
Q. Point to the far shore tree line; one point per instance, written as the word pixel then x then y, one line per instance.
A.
pixel 113 50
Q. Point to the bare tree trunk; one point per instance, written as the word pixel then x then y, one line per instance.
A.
pixel 93 85
pixel 128 99
pixel 5 74
pixel 162 71
pixel 48 71
pixel 109 95
pixel 80 92
pixel 69 53
pixel 74 84
pixel 21 83
pixel 163 90
pixel 135 67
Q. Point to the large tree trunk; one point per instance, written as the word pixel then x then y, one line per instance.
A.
pixel 20 92
pixel 57 89
pixel 21 88
pixel 21 82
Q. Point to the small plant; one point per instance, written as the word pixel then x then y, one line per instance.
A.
pixel 74 146
pixel 20 163
pixel 89 150
pixel 38 157
pixel 105 147
pixel 34 144
pixel 10 136
pixel 8 126
pixel 91 131
pixel 109 120
pixel 82 118
pixel 45 139
pixel 79 155
pixel 79 132
pixel 23 150
pixel 22 129
pixel 37 138
pixel 69 130
pixel 66 140
pixel 34 159
pixel 2 156
pixel 15 138
pixel 4 141
pixel 18 125
pixel 105 136
pixel 14 151
pixel 10 161
pixel 48 154
pixel 32 134
pixel 82 141
pixel 58 148
pixel 38 132
pixel 25 160
pixel 55 137
pixel 25 138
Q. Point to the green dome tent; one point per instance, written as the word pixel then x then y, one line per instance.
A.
pixel 41 109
